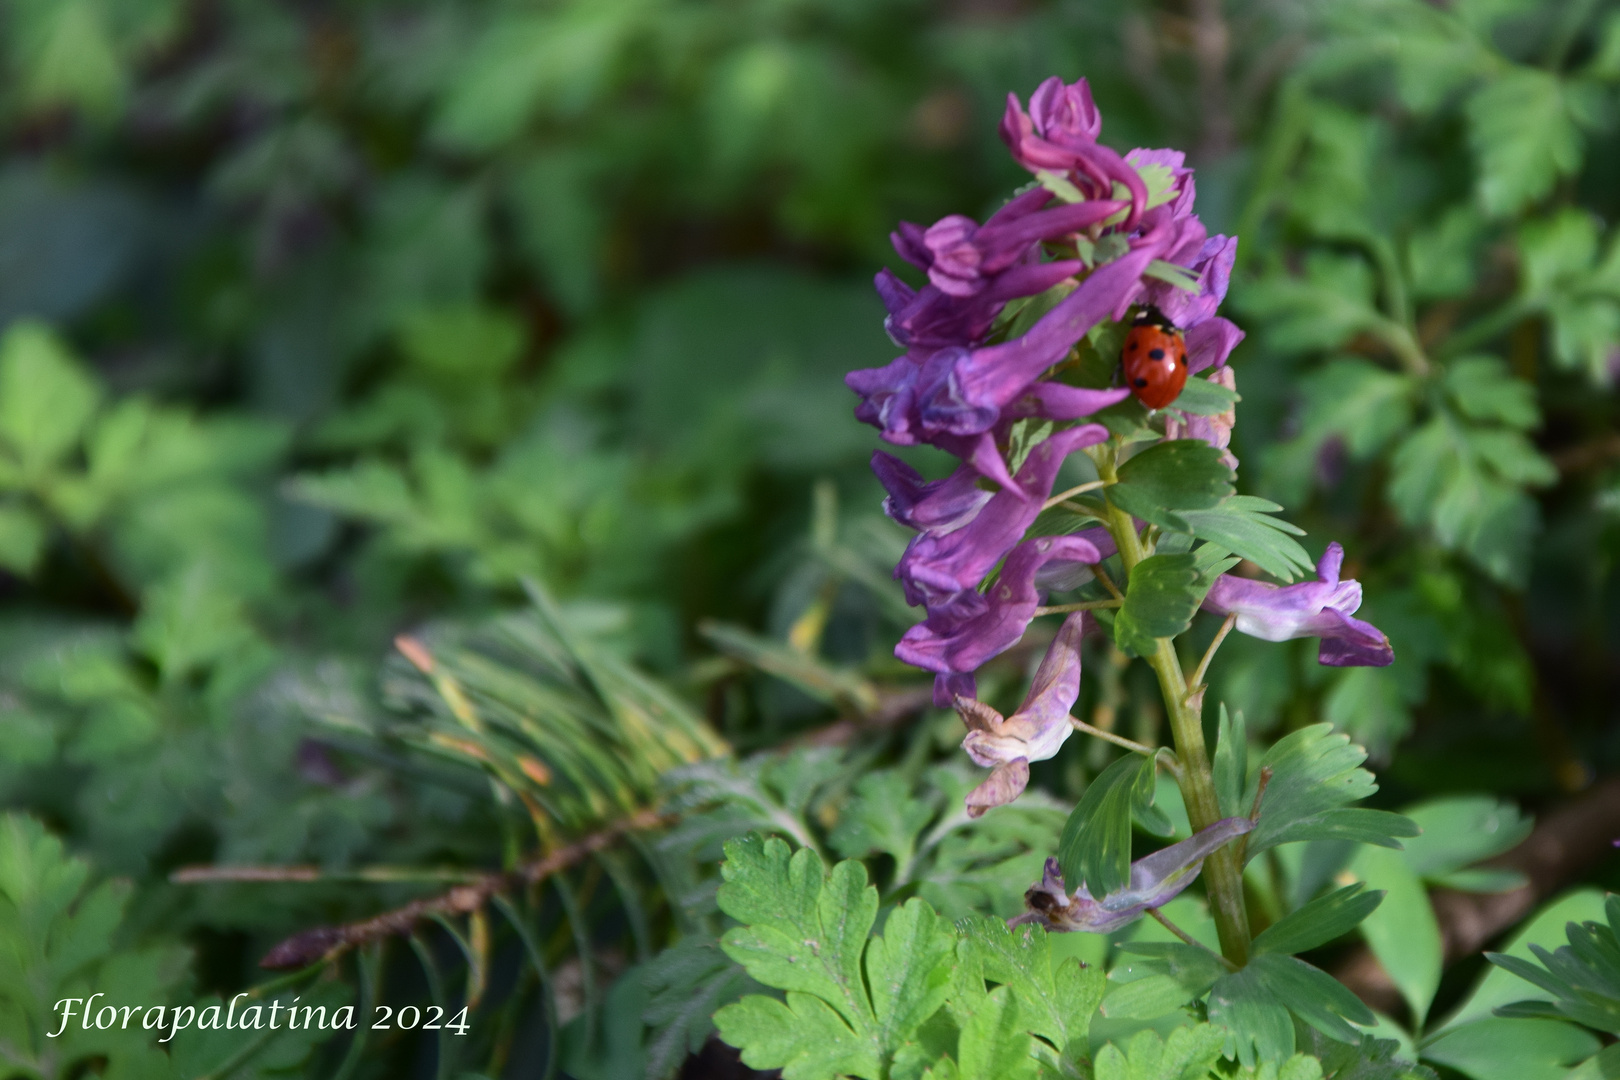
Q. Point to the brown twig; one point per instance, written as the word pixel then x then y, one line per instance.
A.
pixel 1565 844
pixel 329 942
pixel 1587 455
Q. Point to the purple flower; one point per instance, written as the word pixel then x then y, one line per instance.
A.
pixel 1211 262
pixel 939 505
pixel 1007 745
pixel 1155 881
pixel 962 257
pixel 941 563
pixel 1322 609
pixel 961 391
pixel 1059 134
pixel 964 630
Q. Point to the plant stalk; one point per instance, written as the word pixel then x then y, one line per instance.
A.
pixel 1223 876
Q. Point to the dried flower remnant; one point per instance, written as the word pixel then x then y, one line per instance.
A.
pixel 1007 745
pixel 1156 879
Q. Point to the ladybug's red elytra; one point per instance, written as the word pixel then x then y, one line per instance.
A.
pixel 1155 359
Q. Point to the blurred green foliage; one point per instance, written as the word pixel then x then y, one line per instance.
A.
pixel 319 322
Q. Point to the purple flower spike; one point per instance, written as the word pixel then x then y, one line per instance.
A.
pixel 1006 746
pixel 1155 881
pixel 964 630
pixel 1322 609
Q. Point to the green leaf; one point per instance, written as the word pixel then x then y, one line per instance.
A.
pixel 800 933
pixel 1231 764
pixel 1244 526
pixel 1462 830
pixel 57 941
pixel 885 815
pixel 1316 773
pixel 1319 922
pixel 1403 933
pixel 1182 973
pixel 1546 929
pixel 1563 276
pixel 804 1038
pixel 908 970
pixel 809 673
pixel 1329 305
pixel 994 1042
pixel 1180 474
pixel 46 397
pixel 1355 402
pixel 1260 1024
pixel 1312 994
pixel 73 60
pixel 1056 998
pixel 1485 390
pixel 1190 1053
pixel 1523 131
pixel 1096 846
pixel 806 935
pixel 22 538
pixel 1161 598
pixel 1498 1048
pixel 1442 256
pixel 1605 1065
pixel 1204 397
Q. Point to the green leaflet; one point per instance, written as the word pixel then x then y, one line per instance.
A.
pixel 924 987
pixel 1205 398
pixel 57 934
pixel 1096 846
pixel 1161 598
pixel 1244 525
pixel 1319 922
pixel 1316 773
pixel 1582 977
pixel 1056 998
pixel 1188 1054
pixel 1255 1005
pixel 805 932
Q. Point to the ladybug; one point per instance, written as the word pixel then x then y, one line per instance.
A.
pixel 1155 359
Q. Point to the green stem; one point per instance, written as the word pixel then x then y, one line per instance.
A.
pixel 1494 325
pixel 1223 876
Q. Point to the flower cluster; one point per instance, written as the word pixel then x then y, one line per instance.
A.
pixel 1103 233
pixel 1095 236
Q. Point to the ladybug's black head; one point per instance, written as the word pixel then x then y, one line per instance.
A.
pixel 1152 316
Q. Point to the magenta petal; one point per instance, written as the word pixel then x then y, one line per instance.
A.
pixel 981 626
pixel 1210 343
pixel 995 375
pixel 938 564
pixel 942 505
pixel 1057 401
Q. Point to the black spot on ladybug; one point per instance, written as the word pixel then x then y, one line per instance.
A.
pixel 1132 346
pixel 1140 382
pixel 1157 354
pixel 1182 360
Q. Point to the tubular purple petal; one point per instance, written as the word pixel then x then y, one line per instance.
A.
pixel 1319 609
